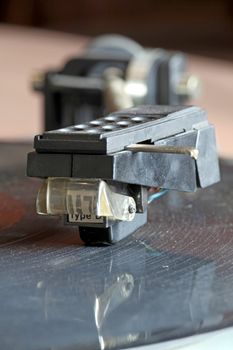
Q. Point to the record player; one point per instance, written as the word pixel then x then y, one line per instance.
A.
pixel 168 284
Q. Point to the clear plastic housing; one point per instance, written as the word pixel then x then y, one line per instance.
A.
pixel 59 196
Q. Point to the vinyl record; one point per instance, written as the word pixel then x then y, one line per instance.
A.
pixel 171 278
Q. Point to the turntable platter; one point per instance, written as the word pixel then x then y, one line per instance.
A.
pixel 172 278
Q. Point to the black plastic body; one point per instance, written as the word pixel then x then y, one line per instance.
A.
pixel 90 151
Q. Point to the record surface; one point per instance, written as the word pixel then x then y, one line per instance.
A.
pixel 170 279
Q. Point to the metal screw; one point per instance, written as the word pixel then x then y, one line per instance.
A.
pixel 131 209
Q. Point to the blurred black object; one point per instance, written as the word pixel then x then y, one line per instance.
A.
pixel 113 73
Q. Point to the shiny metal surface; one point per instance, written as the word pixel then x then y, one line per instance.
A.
pixel 172 278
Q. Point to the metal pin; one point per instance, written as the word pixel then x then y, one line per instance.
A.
pixel 115 96
pixel 38 80
pixel 189 85
pixel 192 152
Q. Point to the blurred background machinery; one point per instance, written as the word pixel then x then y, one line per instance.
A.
pixel 113 73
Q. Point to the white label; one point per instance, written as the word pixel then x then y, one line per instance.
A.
pixel 85 218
